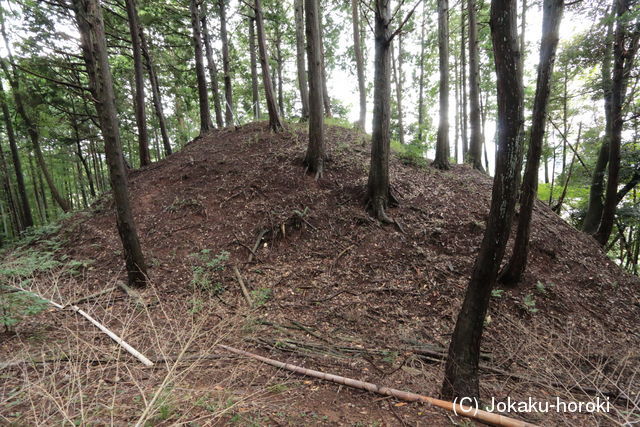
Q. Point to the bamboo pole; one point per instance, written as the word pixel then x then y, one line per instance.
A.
pixel 465 411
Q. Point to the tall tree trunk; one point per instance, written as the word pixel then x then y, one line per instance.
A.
pixel 14 210
pixel 357 51
pixel 378 189
pixel 552 16
pixel 523 29
pixel 205 113
pixel 300 59
pixel 475 143
pixel 155 93
pixel 463 66
pixel 421 79
pixel 397 77
pixel 279 62
pixel 596 189
pixel 255 93
pixel 34 135
pixel 15 157
pixel 314 159
pixel 141 116
pixel 94 46
pixel 461 371
pixel 274 118
pixel 325 91
pixel 442 145
pixel 213 70
pixel 226 69
pixel 624 49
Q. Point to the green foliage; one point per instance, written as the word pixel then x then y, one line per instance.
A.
pixel 542 288
pixel 410 154
pixel 260 296
pixel 206 272
pixel 529 303
pixel 16 305
pixel 497 293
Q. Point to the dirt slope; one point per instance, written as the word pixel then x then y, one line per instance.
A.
pixel 339 292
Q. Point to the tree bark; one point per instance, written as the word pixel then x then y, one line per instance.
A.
pixel 596 189
pixel 300 58
pixel 255 93
pixel 213 70
pixel 34 135
pixel 94 46
pixel 623 55
pixel 552 16
pixel 226 69
pixel 274 118
pixel 442 144
pixel 325 92
pixel 357 50
pixel 205 113
pixel 141 116
pixel 314 159
pixel 397 74
pixel 463 66
pixel 378 189
pixel 17 164
pixel 155 93
pixel 475 142
pixel 461 370
pixel 421 79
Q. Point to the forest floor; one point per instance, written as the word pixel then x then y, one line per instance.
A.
pixel 331 289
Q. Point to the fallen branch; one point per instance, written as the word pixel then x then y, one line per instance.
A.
pixel 97 324
pixel 477 414
pixel 256 245
pixel 245 292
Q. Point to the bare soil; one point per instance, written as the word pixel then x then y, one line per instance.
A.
pixel 333 290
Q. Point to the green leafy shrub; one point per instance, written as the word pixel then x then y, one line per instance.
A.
pixel 16 305
pixel 206 275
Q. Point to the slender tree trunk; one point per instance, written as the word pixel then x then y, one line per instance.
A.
pixel 442 145
pixel 475 143
pixel 421 80
pixel 357 50
pixel 34 135
pixel 325 92
pixel 458 107
pixel 552 16
pixel 398 82
pixel 15 157
pixel 14 210
pixel 461 371
pixel 523 29
pixel 463 69
pixel 596 189
pixel 274 118
pixel 558 207
pixel 205 113
pixel 255 93
pixel 314 159
pixel 300 58
pixel 141 116
pixel 155 93
pixel 623 63
pixel 226 69
pixel 213 70
pixel 94 46
pixel 378 189
pixel 279 62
